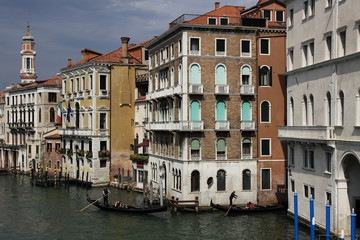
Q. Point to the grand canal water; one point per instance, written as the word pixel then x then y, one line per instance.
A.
pixel 29 212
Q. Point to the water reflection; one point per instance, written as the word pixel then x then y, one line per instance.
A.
pixel 29 212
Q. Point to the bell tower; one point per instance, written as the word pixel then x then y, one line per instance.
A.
pixel 28 53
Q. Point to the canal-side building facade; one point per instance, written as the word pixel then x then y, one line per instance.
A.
pixel 98 112
pixel 2 126
pixel 29 112
pixel 323 103
pixel 203 108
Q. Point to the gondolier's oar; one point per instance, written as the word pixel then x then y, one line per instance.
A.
pixel 228 211
pixel 92 203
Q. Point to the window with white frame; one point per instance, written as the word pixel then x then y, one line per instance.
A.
pixel 221 149
pixel 246 179
pixel 180 46
pixel 166 53
pixel 267 14
pixel 245 75
pixel 245 48
pixel 156 58
pixel 292 155
pixel 308 158
pixel 304 114
pixel 308 53
pixel 291 17
pixel 312 8
pixel 329 3
pixel 265 147
pixel 172 50
pixel 161 56
pixel 265 76
pixel 328 198
pixel 340 103
pixel 211 21
pixel 195 181
pixel 195 46
pixel 265 46
pixel 265 179
pixel 246 148
pixel 265 112
pixel 102 122
pixel 220 47
pixel 224 21
pixel 280 16
pixel 195 149
pixel 306 10
pixel 328 104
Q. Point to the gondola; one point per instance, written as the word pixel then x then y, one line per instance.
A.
pixel 243 209
pixel 128 209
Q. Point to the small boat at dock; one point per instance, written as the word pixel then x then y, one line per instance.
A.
pixel 246 210
pixel 127 209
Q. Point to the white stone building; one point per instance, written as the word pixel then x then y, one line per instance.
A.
pixel 323 103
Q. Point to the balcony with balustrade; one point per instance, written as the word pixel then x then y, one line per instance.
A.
pixel 248 90
pixel 165 92
pixel 222 89
pixel 76 131
pixel 320 134
pixel 247 125
pixel 175 126
pixel 196 89
pixel 222 125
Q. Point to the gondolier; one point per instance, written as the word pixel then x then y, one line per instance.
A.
pixel 106 193
pixel 232 195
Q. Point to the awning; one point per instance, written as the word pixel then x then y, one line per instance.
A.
pixel 143 144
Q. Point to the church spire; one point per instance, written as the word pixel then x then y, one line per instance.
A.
pixel 28 53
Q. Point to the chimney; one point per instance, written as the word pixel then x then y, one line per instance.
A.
pixel 124 49
pixel 69 62
pixel 217 5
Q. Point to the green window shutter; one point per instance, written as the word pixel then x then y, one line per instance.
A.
pixel 195 144
pixel 221 144
pixel 220 75
pixel 194 74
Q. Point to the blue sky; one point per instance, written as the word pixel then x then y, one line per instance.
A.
pixel 62 28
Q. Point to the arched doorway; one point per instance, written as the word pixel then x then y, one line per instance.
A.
pixel 351 168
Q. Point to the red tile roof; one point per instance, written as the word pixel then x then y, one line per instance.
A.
pixel 54 81
pixel 54 136
pixel 2 94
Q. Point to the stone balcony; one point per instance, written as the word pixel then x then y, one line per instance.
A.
pixel 77 132
pixel 165 92
pixel 309 133
pixel 222 125
pixel 222 89
pixel 196 89
pixel 175 126
pixel 247 90
pixel 248 125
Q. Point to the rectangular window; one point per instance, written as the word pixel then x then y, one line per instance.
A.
pixel 306 6
pixel 305 55
pixel 312 192
pixel 328 198
pixel 102 82
pixel 91 82
pixel 265 179
pixel 265 46
pixel 328 47
pixel 311 53
pixel 328 161
pixel 77 85
pixel 57 146
pixel 312 7
pixel 52 97
pixel 280 16
pixel 29 151
pixel 245 48
pixel 291 17
pixel 146 57
pixel 102 120
pixel 180 46
pixel 212 21
pixel 48 147
pixel 306 160
pixel 224 21
pixel 220 47
pixel 83 83
pixel 306 191
pixel 195 46
pixel 292 156
pixel 292 185
pixel 161 56
pixel 311 159
pixel 342 47
pixel 172 50
pixel 267 14
pixel 265 147
pixel 166 53
pixel 291 59
pixel 37 150
pixel 103 163
pixel 329 3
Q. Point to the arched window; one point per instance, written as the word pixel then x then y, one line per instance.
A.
pixel 174 178
pixel 246 115
pixel 195 181
pixel 311 110
pixel 221 149
pixel 245 75
pixel 291 112
pixel 328 109
pixel 52 115
pixel 304 111
pixel 246 178
pixel 220 75
pixel 221 180
pixel 341 108
pixel 265 76
pixel 246 148
pixel 194 113
pixel 195 74
pixel 77 115
pixel 265 111
pixel 195 149
pixel 179 180
pixel 220 111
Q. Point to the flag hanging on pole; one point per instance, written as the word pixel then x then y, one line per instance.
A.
pixel 68 113
pixel 59 113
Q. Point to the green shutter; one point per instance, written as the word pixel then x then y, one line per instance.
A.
pixel 221 145
pixel 195 144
